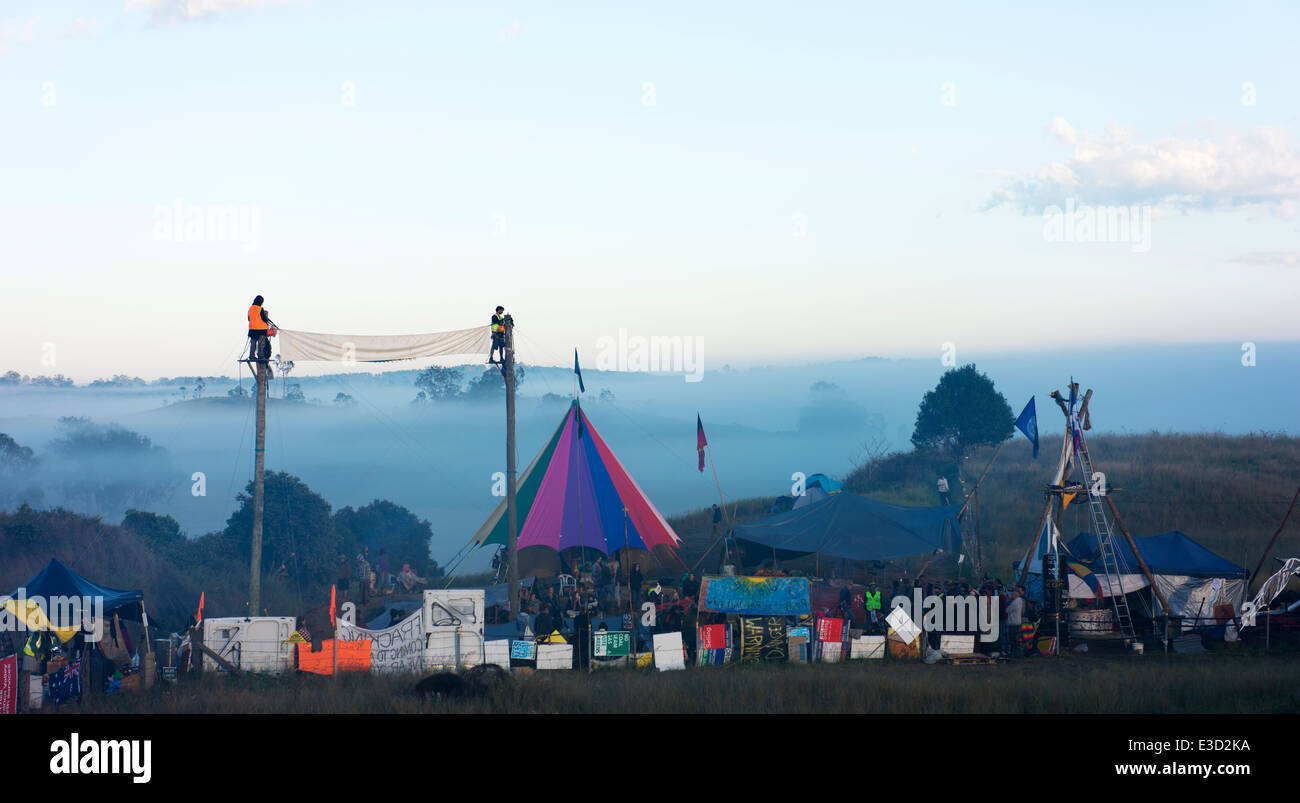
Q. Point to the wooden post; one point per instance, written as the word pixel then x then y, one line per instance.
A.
pixel 512 511
pixel 631 607
pixel 259 491
pixel 983 474
pixel 1024 567
pixel 1273 540
pixel 1133 546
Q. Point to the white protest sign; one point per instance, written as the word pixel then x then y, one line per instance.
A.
pixel 668 652
pixel 903 625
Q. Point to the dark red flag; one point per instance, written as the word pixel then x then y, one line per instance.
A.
pixel 700 441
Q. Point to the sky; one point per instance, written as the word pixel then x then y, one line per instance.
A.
pixel 778 183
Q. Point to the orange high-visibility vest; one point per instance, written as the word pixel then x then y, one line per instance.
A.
pixel 255 317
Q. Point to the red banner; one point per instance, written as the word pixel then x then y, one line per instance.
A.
pixel 9 685
pixel 354 656
pixel 830 629
pixel 713 637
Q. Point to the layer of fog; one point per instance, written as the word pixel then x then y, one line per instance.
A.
pixel 763 424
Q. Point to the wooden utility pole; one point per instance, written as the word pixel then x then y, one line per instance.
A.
pixel 512 511
pixel 259 489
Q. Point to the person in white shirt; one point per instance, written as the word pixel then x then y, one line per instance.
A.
pixel 1011 627
pixel 943 490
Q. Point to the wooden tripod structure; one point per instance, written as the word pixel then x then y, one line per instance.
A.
pixel 1061 491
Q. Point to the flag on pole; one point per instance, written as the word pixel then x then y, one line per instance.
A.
pixel 1028 424
pixel 700 440
pixel 581 387
pixel 199 618
pixel 332 624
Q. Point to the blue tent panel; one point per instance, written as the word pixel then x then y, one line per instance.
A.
pixel 57 580
pixel 824 482
pixel 846 525
pixel 1168 553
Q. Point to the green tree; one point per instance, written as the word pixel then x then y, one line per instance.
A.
pixel 161 533
pixel 107 468
pixel 491 385
pixel 383 524
pixel 439 383
pixel 963 410
pixel 297 529
pixel 14 457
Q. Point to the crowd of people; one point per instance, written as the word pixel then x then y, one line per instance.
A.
pixel 370 578
pixel 603 592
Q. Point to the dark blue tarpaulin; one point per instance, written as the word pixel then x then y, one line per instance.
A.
pixel 846 525
pixel 57 580
pixel 1168 553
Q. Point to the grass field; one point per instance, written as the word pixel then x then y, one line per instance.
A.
pixel 1240 681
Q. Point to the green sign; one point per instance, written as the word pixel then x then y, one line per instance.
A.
pixel 612 643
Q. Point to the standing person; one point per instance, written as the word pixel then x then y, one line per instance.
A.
pixel 943 490
pixel 612 568
pixel 498 564
pixel 370 569
pixel 582 634
pixel 717 521
pixel 1011 628
pixel 690 585
pixel 345 573
pixel 258 321
pixel 498 336
pixel 381 568
pixel 363 577
pixel 634 581
pixel 872 600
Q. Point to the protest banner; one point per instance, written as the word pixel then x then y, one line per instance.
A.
pixel 798 638
pixel 763 638
pixel 9 685
pixel 399 648
pixel 783 596
pixel 611 644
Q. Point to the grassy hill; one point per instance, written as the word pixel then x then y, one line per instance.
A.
pixel 1227 492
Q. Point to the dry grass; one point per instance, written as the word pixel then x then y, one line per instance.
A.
pixel 1227 492
pixel 1233 682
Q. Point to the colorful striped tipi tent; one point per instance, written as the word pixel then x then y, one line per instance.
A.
pixel 576 494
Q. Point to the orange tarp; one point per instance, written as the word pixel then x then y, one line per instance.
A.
pixel 354 656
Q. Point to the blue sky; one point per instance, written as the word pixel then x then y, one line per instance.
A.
pixel 784 183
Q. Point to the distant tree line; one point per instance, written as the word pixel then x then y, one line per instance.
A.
pixel 438 384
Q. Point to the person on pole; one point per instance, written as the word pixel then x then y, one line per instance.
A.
pixel 498 336
pixel 258 323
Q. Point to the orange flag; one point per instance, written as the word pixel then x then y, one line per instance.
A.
pixel 332 606
pixel 199 618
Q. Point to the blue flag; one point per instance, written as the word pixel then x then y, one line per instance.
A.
pixel 1028 424
pixel 581 387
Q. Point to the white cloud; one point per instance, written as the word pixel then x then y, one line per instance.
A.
pixel 16 30
pixel 83 28
pixel 1286 259
pixel 167 12
pixel 1225 169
